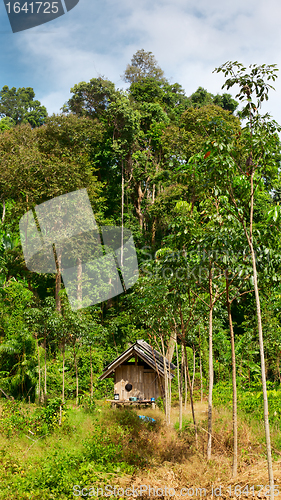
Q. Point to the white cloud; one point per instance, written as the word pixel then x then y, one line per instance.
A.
pixel 188 38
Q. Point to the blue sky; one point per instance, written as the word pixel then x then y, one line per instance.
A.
pixel 189 38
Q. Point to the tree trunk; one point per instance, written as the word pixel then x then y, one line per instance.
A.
pixel 211 370
pixel 153 232
pixel 39 370
pixel 3 212
pixel 191 398
pixel 91 367
pixel 180 387
pixel 138 202
pixel 159 378
pixel 76 374
pixel 6 395
pixel 122 216
pixel 58 279
pixel 45 369
pixel 234 387
pixel 185 384
pixel 263 371
pixel 79 283
pixel 200 368
pixel 193 373
pixel 167 405
pixel 170 390
pixel 263 376
pixel 278 367
pixel 63 360
pixel 171 347
pixel 181 378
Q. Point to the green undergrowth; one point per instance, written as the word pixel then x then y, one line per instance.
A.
pixel 250 408
pixel 96 445
pixel 250 400
pixel 88 448
pixel 17 419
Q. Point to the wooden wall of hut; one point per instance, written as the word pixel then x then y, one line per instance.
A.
pixel 144 381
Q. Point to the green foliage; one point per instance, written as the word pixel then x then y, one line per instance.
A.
pixel 143 64
pixel 17 351
pixel 17 419
pixel 254 82
pixel 203 98
pixel 102 455
pixel 6 123
pixel 187 426
pixel 171 97
pixel 19 105
pixel 54 414
pixel 250 401
pixel 176 155
pixel 101 449
pixel 87 403
pixel 226 102
pixel 91 99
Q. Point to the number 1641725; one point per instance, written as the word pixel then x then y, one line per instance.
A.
pixel 33 7
pixel 247 490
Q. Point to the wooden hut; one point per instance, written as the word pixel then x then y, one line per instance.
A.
pixel 138 373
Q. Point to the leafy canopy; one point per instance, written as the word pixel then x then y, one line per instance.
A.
pixel 20 106
pixel 143 64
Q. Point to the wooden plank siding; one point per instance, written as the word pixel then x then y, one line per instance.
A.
pixel 144 381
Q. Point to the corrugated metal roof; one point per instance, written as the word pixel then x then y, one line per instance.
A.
pixel 147 354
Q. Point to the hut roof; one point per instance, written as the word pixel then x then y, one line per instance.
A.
pixel 146 353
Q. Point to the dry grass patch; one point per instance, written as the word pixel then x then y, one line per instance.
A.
pixel 178 464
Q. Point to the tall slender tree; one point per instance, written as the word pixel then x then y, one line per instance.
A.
pixel 243 164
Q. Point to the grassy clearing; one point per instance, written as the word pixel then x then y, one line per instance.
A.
pixel 115 447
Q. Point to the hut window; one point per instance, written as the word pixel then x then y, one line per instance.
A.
pixel 128 387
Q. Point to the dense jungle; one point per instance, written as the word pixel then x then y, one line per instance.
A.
pixel 196 180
